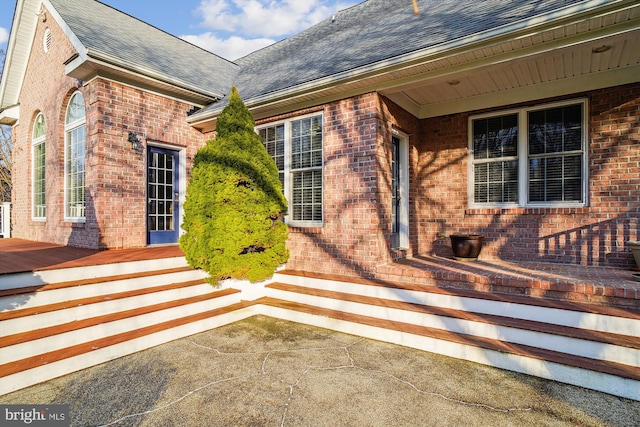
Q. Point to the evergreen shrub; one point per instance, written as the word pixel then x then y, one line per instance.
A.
pixel 234 209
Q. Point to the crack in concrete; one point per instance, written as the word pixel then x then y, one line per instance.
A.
pixel 351 365
pixel 173 402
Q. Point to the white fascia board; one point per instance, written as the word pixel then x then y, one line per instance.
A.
pixel 475 41
pixel 23 30
pixel 75 42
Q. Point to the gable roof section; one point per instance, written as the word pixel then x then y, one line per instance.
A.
pixel 379 37
pixel 113 44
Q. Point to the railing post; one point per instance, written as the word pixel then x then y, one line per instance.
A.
pixel 5 220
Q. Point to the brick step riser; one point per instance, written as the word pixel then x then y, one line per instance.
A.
pixel 606 383
pixel 53 370
pixel 68 339
pixel 53 296
pixel 548 341
pixel 58 317
pixel 561 317
pixel 43 277
pixel 558 290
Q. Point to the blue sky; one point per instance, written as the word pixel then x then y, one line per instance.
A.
pixel 229 28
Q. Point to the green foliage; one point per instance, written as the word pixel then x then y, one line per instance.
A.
pixel 234 207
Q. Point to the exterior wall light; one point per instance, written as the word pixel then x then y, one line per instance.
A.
pixel 136 145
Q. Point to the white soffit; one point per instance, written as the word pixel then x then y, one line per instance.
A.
pixel 23 30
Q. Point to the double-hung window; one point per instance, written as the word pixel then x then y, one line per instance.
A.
pixel 296 147
pixel 534 157
pixel 39 211
pixel 74 159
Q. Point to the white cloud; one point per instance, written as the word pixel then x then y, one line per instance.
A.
pixel 4 35
pixel 263 17
pixel 239 27
pixel 230 48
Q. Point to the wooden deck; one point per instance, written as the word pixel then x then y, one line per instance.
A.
pixel 18 255
pixel 602 285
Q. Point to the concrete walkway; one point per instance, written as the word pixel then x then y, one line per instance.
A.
pixel 267 372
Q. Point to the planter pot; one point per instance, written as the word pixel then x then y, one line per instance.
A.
pixel 635 250
pixel 466 247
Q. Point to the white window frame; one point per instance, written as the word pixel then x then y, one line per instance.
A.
pixel 37 141
pixel 288 173
pixel 80 211
pixel 523 158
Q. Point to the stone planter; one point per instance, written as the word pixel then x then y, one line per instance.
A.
pixel 466 247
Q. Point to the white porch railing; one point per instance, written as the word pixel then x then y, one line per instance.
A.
pixel 5 220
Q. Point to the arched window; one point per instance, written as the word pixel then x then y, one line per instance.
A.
pixel 74 158
pixel 38 165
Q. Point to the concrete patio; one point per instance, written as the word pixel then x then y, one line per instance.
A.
pixel 267 372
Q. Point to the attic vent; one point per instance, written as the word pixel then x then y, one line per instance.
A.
pixel 46 40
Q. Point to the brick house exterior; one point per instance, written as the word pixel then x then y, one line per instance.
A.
pixel 115 174
pixel 376 206
pixel 355 237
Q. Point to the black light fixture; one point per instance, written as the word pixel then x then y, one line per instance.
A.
pixel 601 49
pixel 136 145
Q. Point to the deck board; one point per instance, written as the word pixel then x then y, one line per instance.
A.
pixel 19 255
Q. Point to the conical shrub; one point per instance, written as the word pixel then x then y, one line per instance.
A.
pixel 235 205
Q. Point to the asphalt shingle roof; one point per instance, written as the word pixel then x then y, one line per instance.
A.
pixel 374 31
pixel 370 32
pixel 105 30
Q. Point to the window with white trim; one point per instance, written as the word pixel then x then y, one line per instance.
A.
pixel 534 157
pixel 296 148
pixel 39 208
pixel 74 159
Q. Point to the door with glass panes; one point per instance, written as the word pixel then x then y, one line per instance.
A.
pixel 163 196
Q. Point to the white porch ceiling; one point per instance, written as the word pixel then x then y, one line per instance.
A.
pixel 558 61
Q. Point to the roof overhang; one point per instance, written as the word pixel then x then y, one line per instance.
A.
pixel 89 65
pixel 548 55
pixel 10 115
pixel 85 66
pixel 23 30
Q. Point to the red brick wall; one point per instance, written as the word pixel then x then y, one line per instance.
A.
pixel 355 236
pixel 115 174
pixel 594 235
pixel 118 178
pixel 348 241
pixel 45 89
